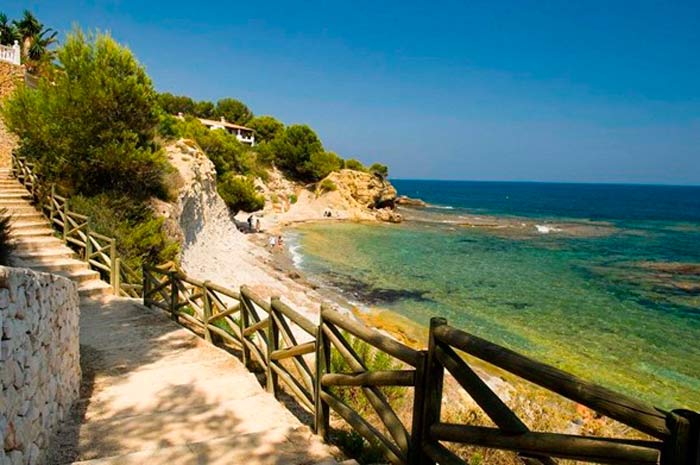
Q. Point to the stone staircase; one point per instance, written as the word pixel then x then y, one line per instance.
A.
pixel 36 245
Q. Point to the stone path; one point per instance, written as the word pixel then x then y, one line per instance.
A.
pixel 153 392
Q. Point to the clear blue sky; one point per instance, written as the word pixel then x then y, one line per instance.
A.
pixel 605 91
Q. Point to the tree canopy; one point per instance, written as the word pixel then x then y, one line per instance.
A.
pixel 98 116
pixel 233 111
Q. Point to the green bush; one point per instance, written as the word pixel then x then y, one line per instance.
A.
pixel 321 164
pixel 381 170
pixel 327 186
pixel 292 149
pixel 5 245
pixel 352 164
pixel 239 193
pixel 140 235
pixel 91 129
pixel 293 199
pixel 174 104
pixel 266 128
pixel 233 110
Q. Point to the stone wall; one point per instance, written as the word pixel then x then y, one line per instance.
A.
pixel 39 360
pixel 11 76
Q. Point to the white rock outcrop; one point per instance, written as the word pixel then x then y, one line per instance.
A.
pixel 39 360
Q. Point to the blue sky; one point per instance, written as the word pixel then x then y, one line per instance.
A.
pixel 593 91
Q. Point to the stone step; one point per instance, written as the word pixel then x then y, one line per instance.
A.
pixel 21 209
pixel 53 265
pixel 35 243
pixel 34 215
pixel 13 204
pixel 275 446
pixel 29 224
pixel 14 193
pixel 44 253
pixel 79 276
pixel 94 288
pixel 42 230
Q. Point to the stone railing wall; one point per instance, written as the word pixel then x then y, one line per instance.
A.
pixel 39 360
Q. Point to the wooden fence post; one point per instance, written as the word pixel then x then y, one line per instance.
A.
pixel 173 295
pixel 52 207
pixel 117 276
pixel 207 311
pixel 434 376
pixel 272 345
pixel 65 220
pixel 683 446
pixel 323 364
pixel 113 265
pixel 416 456
pixel 88 245
pixel 146 286
pixel 245 350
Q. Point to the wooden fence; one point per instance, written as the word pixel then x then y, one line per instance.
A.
pixel 295 355
pixel 97 250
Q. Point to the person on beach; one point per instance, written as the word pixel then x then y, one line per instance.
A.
pixel 257 225
pixel 279 242
pixel 272 242
pixel 250 223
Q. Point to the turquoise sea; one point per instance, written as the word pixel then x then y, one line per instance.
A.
pixel 600 280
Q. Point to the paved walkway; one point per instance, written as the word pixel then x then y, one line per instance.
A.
pixel 155 393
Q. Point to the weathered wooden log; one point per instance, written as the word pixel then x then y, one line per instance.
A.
pixel 259 326
pixel 369 432
pixel 301 349
pixel 297 389
pixel 600 450
pixel 296 317
pixel 370 378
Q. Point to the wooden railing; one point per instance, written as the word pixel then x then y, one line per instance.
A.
pixel 97 250
pixel 295 355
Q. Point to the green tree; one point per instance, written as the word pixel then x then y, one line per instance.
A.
pixel 92 128
pixel 8 34
pixel 381 170
pixel 233 111
pixel 174 104
pixel 293 148
pixel 321 164
pixel 266 128
pixel 239 193
pixel 204 109
pixel 353 164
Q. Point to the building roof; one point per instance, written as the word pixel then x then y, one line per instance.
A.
pixel 224 123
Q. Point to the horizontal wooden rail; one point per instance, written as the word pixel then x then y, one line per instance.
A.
pixel 371 378
pixel 599 450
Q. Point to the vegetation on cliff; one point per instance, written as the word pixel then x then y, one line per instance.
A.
pixel 35 39
pixel 91 131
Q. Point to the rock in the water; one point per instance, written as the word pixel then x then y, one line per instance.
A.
pixel 410 202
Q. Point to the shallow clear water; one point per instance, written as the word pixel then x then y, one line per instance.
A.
pixel 590 305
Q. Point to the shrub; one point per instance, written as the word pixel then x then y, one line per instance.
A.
pixel 292 149
pixel 239 193
pixel 293 199
pixel 5 229
pixel 327 186
pixel 140 235
pixel 321 164
pixel 379 169
pixel 92 128
pixel 233 110
pixel 352 164
pixel 266 128
pixel 174 104
pixel 168 127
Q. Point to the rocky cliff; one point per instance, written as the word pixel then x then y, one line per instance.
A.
pixel 11 76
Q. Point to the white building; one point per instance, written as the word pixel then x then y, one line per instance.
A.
pixel 242 133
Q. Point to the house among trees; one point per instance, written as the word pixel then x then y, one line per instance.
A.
pixel 243 134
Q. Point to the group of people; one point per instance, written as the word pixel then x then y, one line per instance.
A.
pixel 327 213
pixel 275 242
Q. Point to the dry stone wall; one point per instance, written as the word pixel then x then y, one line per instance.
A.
pixel 39 360
pixel 11 76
